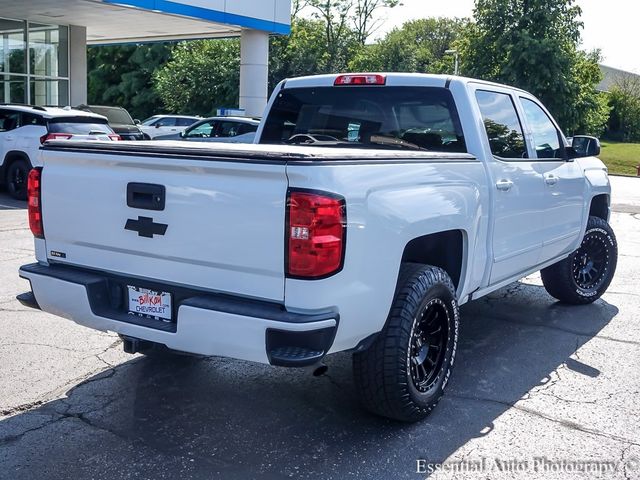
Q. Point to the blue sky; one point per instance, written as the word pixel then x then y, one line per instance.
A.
pixel 611 25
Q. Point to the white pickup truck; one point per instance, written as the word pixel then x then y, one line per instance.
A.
pixel 372 207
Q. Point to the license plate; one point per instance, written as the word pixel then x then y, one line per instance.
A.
pixel 149 303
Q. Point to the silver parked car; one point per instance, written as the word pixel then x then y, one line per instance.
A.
pixel 218 129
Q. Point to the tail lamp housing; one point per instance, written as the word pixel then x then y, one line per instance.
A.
pixel 55 136
pixel 34 202
pixel 316 234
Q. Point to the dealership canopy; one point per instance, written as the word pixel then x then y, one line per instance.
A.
pixel 53 69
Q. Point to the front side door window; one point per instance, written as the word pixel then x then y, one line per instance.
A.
pixel 204 130
pixel 545 135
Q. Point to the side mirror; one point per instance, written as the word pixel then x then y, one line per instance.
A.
pixel 157 125
pixel 136 121
pixel 183 134
pixel 584 146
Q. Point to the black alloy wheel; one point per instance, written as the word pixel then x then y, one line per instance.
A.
pixel 428 341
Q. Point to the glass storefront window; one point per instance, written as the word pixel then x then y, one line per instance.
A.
pixel 12 46
pixel 12 89
pixel 48 50
pixel 47 59
pixel 49 92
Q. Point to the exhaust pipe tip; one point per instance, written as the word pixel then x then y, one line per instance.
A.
pixel 320 370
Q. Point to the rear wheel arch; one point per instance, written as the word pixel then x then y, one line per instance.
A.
pixel 445 250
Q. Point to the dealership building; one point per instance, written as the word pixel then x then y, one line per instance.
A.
pixel 43 45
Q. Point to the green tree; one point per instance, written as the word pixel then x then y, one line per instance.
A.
pixel 340 39
pixel 358 17
pixel 303 52
pixel 200 77
pixel 365 19
pixel 417 46
pixel 533 44
pixel 624 100
pixel 122 75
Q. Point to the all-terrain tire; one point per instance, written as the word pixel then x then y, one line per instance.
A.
pixel 386 377
pixel 585 275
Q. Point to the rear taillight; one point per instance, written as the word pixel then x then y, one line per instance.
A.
pixel 115 137
pixel 316 229
pixel 360 79
pixel 34 202
pixel 55 136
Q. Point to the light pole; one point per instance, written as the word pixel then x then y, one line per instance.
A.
pixel 456 56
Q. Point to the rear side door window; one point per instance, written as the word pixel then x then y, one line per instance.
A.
pixel 9 120
pixel 228 129
pixel 502 124
pixel 546 138
pixel 247 128
pixel 166 122
pixel 184 122
pixel 31 119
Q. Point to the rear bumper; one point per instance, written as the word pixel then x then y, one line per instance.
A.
pixel 205 323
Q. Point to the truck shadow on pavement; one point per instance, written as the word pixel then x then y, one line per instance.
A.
pixel 209 418
pixel 8 203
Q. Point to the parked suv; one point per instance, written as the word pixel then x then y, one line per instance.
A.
pixel 119 119
pixel 218 129
pixel 166 124
pixel 23 129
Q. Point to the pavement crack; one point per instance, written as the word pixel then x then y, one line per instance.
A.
pixel 20 310
pixel 565 423
pixel 332 381
pixel 25 407
pixel 623 462
pixel 18 436
pixel 566 330
pixel 609 292
pixel 33 344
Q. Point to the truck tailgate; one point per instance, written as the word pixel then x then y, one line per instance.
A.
pixel 224 219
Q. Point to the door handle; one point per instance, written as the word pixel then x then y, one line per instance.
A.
pixel 146 196
pixel 550 180
pixel 9 137
pixel 504 185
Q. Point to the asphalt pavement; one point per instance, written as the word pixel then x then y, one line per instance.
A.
pixel 539 390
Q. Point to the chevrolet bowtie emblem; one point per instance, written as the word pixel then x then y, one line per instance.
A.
pixel 145 227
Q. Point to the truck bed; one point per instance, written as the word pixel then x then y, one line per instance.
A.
pixel 252 153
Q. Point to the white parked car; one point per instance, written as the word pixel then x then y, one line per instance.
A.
pixel 404 196
pixel 23 130
pixel 166 124
pixel 218 129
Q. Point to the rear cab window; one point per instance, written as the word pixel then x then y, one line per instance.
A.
pixel 79 126
pixel 410 118
pixel 115 115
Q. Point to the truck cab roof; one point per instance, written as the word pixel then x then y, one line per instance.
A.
pixel 391 79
